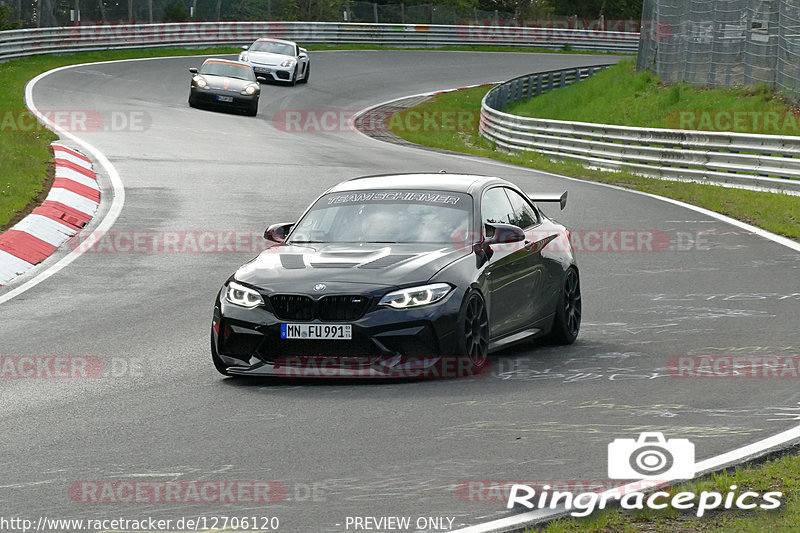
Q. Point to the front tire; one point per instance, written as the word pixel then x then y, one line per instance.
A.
pixel 306 74
pixel 294 78
pixel 473 332
pixel 252 110
pixel 567 322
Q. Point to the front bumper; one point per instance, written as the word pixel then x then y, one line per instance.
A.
pixel 274 72
pixel 385 342
pixel 223 98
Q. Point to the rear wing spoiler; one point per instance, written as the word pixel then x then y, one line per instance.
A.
pixel 549 197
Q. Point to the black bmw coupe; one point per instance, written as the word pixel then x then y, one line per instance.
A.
pixel 391 275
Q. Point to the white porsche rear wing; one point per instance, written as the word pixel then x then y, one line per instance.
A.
pixel 549 197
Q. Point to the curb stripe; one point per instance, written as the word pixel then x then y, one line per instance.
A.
pixel 25 246
pixel 62 172
pixel 74 153
pixel 77 188
pixel 73 200
pixel 67 216
pixel 78 168
pixel 70 204
pixel 11 266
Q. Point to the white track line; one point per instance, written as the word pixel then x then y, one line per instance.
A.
pixel 738 455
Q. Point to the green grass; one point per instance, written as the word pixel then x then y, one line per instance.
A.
pixel 24 150
pixel 619 95
pixel 782 474
pixel 778 213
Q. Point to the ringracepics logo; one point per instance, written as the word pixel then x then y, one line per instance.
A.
pixel 650 458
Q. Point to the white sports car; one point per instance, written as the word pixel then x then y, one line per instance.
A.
pixel 277 60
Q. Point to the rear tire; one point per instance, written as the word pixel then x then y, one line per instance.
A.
pixel 567 322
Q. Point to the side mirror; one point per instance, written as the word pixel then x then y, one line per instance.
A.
pixel 245 47
pixel 302 52
pixel 193 70
pixel 503 234
pixel 278 232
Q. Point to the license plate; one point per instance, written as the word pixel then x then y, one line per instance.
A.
pixel 224 98
pixel 262 70
pixel 342 332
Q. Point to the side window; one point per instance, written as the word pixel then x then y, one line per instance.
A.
pixel 495 207
pixel 524 214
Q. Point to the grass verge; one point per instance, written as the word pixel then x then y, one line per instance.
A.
pixel 781 474
pixel 620 95
pixel 453 123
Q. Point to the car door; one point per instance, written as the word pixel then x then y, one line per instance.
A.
pixel 541 269
pixel 510 271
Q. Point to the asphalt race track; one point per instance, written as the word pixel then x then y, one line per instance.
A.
pixel 160 412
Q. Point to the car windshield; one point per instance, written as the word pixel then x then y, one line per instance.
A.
pixel 273 48
pixel 228 70
pixel 386 216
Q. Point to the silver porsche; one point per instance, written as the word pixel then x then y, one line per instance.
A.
pixel 277 60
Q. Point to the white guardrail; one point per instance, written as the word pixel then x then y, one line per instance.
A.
pixel 20 43
pixel 768 161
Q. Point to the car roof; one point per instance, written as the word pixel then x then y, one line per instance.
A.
pixel 465 183
pixel 271 40
pixel 226 61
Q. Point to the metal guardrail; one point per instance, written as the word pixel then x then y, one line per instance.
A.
pixel 20 43
pixel 769 161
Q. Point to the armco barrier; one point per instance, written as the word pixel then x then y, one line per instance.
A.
pixel 20 43
pixel 769 161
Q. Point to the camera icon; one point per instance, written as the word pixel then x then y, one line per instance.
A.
pixel 651 456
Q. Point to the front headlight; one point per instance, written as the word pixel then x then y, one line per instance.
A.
pixel 200 82
pixel 243 296
pixel 250 90
pixel 287 63
pixel 416 296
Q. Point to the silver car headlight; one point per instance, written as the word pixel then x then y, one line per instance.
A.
pixel 288 63
pixel 201 82
pixel 416 296
pixel 243 296
pixel 250 90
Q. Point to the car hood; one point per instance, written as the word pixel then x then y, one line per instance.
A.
pixel 226 84
pixel 298 268
pixel 267 58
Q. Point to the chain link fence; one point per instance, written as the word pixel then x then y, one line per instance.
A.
pixel 55 13
pixel 723 43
